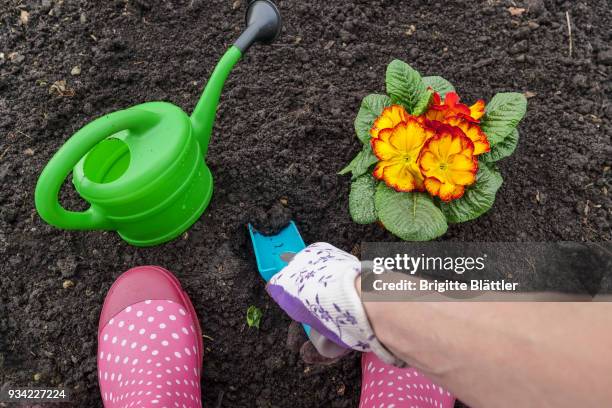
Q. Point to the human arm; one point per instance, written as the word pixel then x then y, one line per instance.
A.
pixel 502 354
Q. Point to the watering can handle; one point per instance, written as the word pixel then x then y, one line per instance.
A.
pixel 62 163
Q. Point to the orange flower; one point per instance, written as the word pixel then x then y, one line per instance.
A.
pixel 390 117
pixel 447 161
pixel 477 110
pixel 451 107
pixel 398 150
pixel 470 129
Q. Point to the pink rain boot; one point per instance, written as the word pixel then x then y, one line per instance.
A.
pixel 149 343
pixel 385 386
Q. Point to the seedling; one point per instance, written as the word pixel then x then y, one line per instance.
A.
pixel 254 315
pixel 427 159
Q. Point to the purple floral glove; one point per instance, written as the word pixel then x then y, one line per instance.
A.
pixel 317 288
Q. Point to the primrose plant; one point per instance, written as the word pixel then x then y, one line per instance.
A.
pixel 427 159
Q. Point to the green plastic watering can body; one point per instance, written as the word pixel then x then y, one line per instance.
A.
pixel 142 169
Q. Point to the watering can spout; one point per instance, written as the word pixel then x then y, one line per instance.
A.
pixel 263 25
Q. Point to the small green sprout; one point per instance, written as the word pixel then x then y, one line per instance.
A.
pixel 254 316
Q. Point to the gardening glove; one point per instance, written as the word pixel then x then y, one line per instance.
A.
pixel 317 288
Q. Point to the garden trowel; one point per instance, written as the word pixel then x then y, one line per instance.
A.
pixel 273 252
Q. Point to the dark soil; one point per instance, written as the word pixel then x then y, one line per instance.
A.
pixel 284 129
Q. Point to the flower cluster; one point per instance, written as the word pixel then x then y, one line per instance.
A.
pixel 436 151
pixel 428 160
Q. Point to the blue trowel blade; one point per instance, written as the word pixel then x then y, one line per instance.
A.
pixel 268 248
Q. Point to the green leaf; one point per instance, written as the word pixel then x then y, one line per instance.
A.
pixel 361 200
pixel 478 198
pixel 439 84
pixel 360 163
pixel 423 104
pixel 410 216
pixel 371 108
pixel 254 316
pixel 503 149
pixel 503 113
pixel 404 85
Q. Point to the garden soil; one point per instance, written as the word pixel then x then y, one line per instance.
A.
pixel 284 130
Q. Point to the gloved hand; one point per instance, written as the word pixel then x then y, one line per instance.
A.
pixel 317 288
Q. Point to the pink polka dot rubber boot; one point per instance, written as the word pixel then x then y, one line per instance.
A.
pixel 149 343
pixel 385 386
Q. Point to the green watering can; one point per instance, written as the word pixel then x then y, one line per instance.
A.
pixel 142 169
